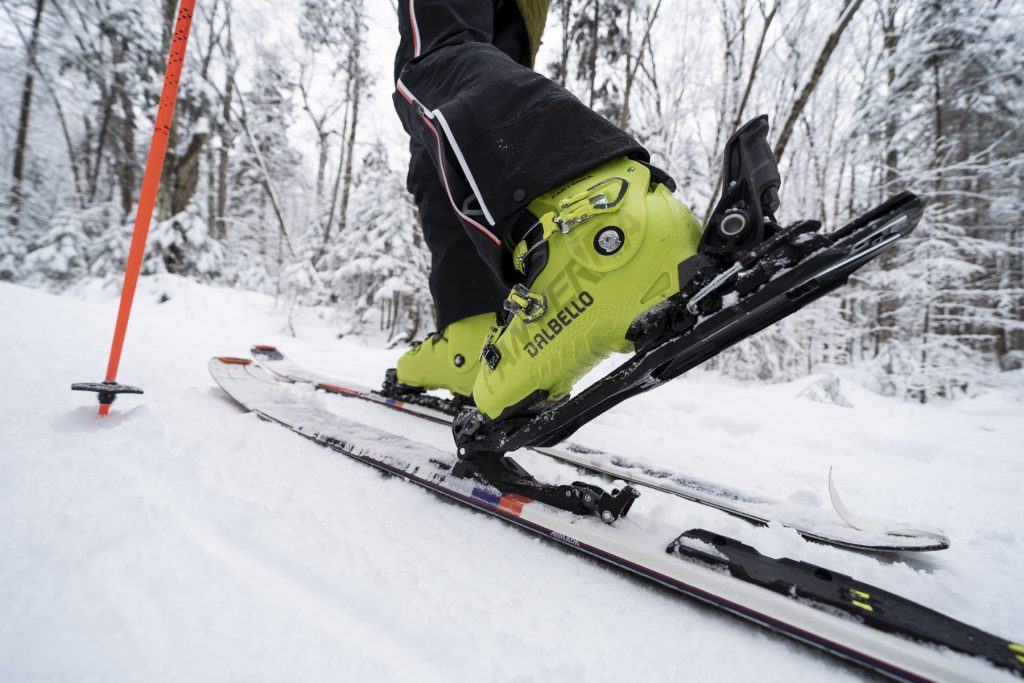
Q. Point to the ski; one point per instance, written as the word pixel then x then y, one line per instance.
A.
pixel 847 618
pixel 876 536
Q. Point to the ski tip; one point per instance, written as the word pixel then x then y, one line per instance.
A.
pixel 232 360
pixel 936 537
pixel 266 352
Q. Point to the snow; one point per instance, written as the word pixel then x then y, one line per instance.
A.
pixel 181 539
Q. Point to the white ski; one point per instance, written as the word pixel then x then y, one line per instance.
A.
pixel 822 608
pixel 808 522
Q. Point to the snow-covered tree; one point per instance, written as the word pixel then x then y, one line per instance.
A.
pixel 953 297
pixel 182 245
pixel 266 173
pixel 67 251
pixel 874 96
pixel 380 263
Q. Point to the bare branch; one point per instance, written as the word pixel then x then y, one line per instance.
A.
pixel 812 82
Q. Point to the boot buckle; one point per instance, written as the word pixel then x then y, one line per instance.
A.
pixel 525 305
pixel 581 207
pixel 490 355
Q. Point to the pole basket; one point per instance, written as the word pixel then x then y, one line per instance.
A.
pixel 105 391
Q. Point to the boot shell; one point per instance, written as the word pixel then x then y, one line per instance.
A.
pixel 448 359
pixel 596 279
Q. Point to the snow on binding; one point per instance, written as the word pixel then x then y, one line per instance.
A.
pixel 882 536
pixel 850 619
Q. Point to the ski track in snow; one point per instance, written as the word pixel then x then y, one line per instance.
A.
pixel 182 539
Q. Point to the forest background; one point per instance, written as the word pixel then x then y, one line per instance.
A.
pixel 286 168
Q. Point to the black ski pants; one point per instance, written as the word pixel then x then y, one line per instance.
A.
pixel 488 135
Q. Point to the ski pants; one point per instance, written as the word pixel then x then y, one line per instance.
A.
pixel 488 135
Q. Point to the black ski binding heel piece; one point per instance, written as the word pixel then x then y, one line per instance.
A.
pixel 580 498
pixel 392 388
pixel 750 192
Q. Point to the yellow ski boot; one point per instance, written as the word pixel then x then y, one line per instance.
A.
pixel 448 359
pixel 605 248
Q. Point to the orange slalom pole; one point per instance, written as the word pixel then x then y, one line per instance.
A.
pixel 150 183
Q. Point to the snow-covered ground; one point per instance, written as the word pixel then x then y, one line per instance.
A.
pixel 181 539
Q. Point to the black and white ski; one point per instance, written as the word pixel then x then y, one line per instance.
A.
pixel 831 611
pixel 809 523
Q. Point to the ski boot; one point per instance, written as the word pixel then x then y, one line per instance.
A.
pixel 448 359
pixel 604 249
pixel 748 272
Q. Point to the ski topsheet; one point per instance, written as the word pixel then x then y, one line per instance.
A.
pixel 808 522
pixel 852 620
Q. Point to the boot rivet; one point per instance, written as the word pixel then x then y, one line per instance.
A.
pixel 519 195
pixel 609 240
pixel 460 360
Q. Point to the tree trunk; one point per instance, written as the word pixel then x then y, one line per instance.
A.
pixel 887 302
pixel 329 223
pixel 357 93
pixel 319 122
pixel 186 174
pixel 165 196
pixel 627 85
pixel 633 62
pixel 24 115
pixel 170 10
pixel 211 197
pixel 225 129
pixel 889 43
pixel 58 109
pixel 101 143
pixel 592 53
pixel 321 169
pixel 738 116
pixel 126 166
pixel 268 188
pixel 563 62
